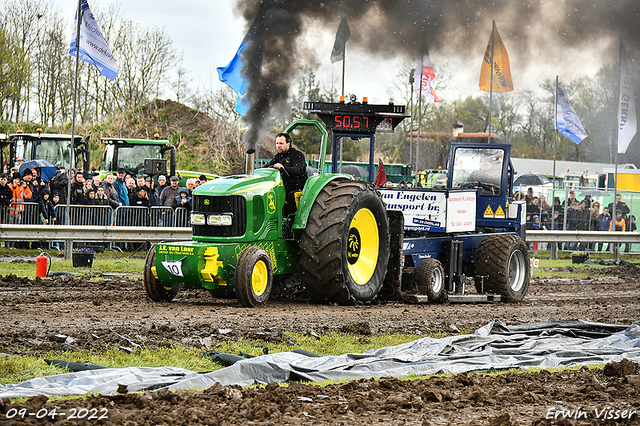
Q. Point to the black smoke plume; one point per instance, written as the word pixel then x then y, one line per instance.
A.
pixel 389 28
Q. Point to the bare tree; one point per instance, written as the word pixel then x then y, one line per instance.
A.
pixel 21 18
pixel 13 73
pixel 145 56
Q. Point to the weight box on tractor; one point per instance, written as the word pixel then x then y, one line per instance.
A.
pixel 348 241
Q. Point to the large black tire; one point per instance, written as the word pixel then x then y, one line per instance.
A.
pixel 504 261
pixel 345 246
pixel 430 280
pixel 154 289
pixel 254 277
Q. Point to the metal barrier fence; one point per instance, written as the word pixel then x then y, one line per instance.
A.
pixel 81 215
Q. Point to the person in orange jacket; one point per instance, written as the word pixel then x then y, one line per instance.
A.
pixel 620 223
pixel 20 192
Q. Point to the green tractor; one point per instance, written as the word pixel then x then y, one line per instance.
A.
pixel 338 240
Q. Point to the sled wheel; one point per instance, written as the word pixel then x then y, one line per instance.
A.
pixel 430 279
pixel 254 277
pixel 345 246
pixel 504 260
pixel 154 289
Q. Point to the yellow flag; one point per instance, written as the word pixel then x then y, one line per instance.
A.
pixel 501 70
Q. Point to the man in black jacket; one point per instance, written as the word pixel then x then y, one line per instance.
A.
pixel 292 167
pixel 77 189
pixel 5 198
pixel 59 184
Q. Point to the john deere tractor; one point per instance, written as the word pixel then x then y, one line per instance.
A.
pixel 338 239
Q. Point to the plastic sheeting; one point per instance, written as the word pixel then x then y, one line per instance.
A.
pixel 492 347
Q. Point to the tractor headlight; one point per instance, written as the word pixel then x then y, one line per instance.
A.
pixel 197 219
pixel 219 219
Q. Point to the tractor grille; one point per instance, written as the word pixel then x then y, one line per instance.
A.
pixel 220 205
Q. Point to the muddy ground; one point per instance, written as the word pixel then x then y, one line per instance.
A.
pixel 69 313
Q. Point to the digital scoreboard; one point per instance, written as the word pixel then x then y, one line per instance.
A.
pixel 355 117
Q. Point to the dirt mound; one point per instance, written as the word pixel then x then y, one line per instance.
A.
pixel 626 270
pixel 201 142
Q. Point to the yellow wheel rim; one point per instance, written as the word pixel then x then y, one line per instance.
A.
pixel 362 246
pixel 259 278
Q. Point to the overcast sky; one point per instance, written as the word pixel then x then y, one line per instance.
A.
pixel 209 32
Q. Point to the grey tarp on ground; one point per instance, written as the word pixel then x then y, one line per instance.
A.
pixel 105 380
pixel 494 346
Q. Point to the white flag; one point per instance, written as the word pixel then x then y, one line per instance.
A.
pixel 93 47
pixel 424 80
pixel 626 105
pixel 567 121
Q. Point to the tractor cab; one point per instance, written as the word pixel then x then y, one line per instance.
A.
pixel 55 148
pixel 486 168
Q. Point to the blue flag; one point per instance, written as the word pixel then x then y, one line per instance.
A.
pixel 234 75
pixel 567 120
pixel 93 47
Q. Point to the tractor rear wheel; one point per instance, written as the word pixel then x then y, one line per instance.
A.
pixel 504 262
pixel 154 289
pixel 254 277
pixel 430 280
pixel 345 246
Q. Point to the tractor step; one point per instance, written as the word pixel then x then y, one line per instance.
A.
pixel 464 298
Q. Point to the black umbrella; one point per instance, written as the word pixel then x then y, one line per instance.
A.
pixel 355 171
pixel 532 179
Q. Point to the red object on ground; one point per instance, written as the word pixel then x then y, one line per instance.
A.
pixel 41 266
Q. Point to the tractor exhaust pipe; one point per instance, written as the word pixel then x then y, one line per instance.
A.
pixel 250 161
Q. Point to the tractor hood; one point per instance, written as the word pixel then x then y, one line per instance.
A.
pixel 259 183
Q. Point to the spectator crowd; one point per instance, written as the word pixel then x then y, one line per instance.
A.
pixel 121 189
pixel 574 215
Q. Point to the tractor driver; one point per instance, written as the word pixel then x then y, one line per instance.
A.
pixel 488 176
pixel 293 170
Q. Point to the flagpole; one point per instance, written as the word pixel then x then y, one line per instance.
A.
pixel 411 83
pixel 554 246
pixel 67 248
pixel 493 45
pixel 344 59
pixel 421 71
pixel 616 247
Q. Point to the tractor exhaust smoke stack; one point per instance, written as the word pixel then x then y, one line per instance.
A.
pixel 250 161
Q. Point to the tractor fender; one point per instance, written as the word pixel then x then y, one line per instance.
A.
pixel 309 194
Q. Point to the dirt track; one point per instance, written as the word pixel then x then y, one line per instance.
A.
pixel 98 314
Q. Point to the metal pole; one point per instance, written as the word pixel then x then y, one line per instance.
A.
pixel 616 247
pixel 420 104
pixel 493 42
pixel 344 59
pixel 554 246
pixel 67 247
pixel 411 81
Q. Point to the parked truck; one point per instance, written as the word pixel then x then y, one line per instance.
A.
pixel 349 241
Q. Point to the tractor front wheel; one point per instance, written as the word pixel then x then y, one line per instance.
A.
pixel 254 277
pixel 154 289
